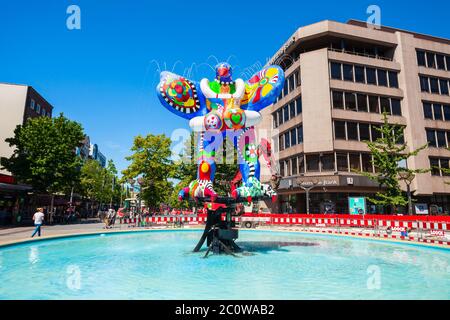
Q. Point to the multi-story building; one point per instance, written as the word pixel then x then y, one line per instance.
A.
pixel 18 103
pixel 94 153
pixel 340 78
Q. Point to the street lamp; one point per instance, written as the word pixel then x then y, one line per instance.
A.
pixel 307 186
pixel 408 178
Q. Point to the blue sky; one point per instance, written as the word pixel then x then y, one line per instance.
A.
pixel 104 75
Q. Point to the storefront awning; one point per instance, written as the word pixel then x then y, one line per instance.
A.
pixel 14 187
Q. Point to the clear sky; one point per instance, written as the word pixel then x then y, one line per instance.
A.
pixel 104 75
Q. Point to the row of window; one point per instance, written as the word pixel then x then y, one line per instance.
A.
pixel 37 107
pixel 327 162
pixel 359 131
pixel 439 166
pixel 434 85
pixel 290 83
pixel 438 138
pixel 433 60
pixel 366 103
pixel 290 138
pixel 287 112
pixel 436 111
pixel 362 74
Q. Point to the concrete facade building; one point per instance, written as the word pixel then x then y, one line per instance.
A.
pixel 340 78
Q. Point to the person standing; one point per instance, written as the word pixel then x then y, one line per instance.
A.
pixel 38 218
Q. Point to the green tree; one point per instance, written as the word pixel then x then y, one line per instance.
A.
pixel 44 154
pixel 389 151
pixel 151 161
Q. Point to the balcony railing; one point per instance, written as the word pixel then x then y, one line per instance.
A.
pixel 360 54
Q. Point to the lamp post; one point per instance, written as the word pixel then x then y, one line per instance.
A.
pixel 307 187
pixel 408 178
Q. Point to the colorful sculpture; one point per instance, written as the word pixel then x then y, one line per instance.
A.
pixel 220 108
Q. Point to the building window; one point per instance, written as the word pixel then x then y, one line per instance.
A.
pixel 327 161
pixel 437 110
pixel 373 104
pixel 275 119
pixel 348 72
pixel 286 113
pixel 281 142
pixel 382 77
pixel 294 166
pixel 280 116
pixel 396 107
pixel 393 79
pixel 312 162
pixel 375 132
pixel 435 168
pixel 446 112
pixel 447 62
pixel 32 104
pixel 430 60
pixel 43 112
pixel 341 161
pixel 292 110
pixel 440 61
pixel 385 107
pixel 287 143
pixel 360 75
pixel 364 132
pixel 300 134
pixel 38 108
pixel 366 162
pixel 352 130
pixel 441 139
pixel 301 164
pixel 362 102
pixel 336 71
pixel 355 164
pixel 434 85
pixel 338 100
pixel 339 130
pixel 431 138
pixel 443 84
pixel 350 101
pixel 424 86
pixel 427 111
pixel 298 104
pixel 293 137
pixel 421 58
pixel 371 76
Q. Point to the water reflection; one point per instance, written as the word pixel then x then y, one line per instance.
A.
pixel 267 246
pixel 33 255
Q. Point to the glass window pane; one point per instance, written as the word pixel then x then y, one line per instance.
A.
pixel 421 58
pixel 291 83
pixel 280 116
pixel 294 166
pixel 282 168
pixel 382 77
pixel 348 72
pixel 376 134
pixel 362 102
pixel 427 111
pixel 444 167
pixel 360 74
pixel 352 130
pixel 440 61
pixel 364 132
pixel 430 60
pixel 400 139
pixel 371 77
pixel 385 107
pixel 366 162
pixel 373 104
pixel 447 112
pixel 287 139
pixel 292 110
pixel 350 101
pixel 431 138
pixel 275 119
pixel 336 71
pixel 299 105
pixel 434 85
pixel 294 137
pixel 396 107
pixel 447 62
pixel 441 139
pixel 301 164
pixel 393 79
pixel 338 100
pixel 300 134
pixel 281 142
pixel 434 165
pixel 354 161
pixel 328 162
pixel 443 84
pixel 312 162
pixel 437 109
pixel 286 113
pixel 339 130
pixel 424 86
pixel 341 161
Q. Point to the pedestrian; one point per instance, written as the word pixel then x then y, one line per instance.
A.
pixel 38 218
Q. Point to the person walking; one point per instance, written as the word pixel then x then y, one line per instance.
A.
pixel 38 218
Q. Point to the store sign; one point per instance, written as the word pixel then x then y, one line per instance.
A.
pixel 357 205
pixel 319 181
pixel 421 208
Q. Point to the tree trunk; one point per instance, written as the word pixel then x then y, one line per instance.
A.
pixel 50 219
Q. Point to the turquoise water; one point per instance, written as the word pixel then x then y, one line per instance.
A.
pixel 160 265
